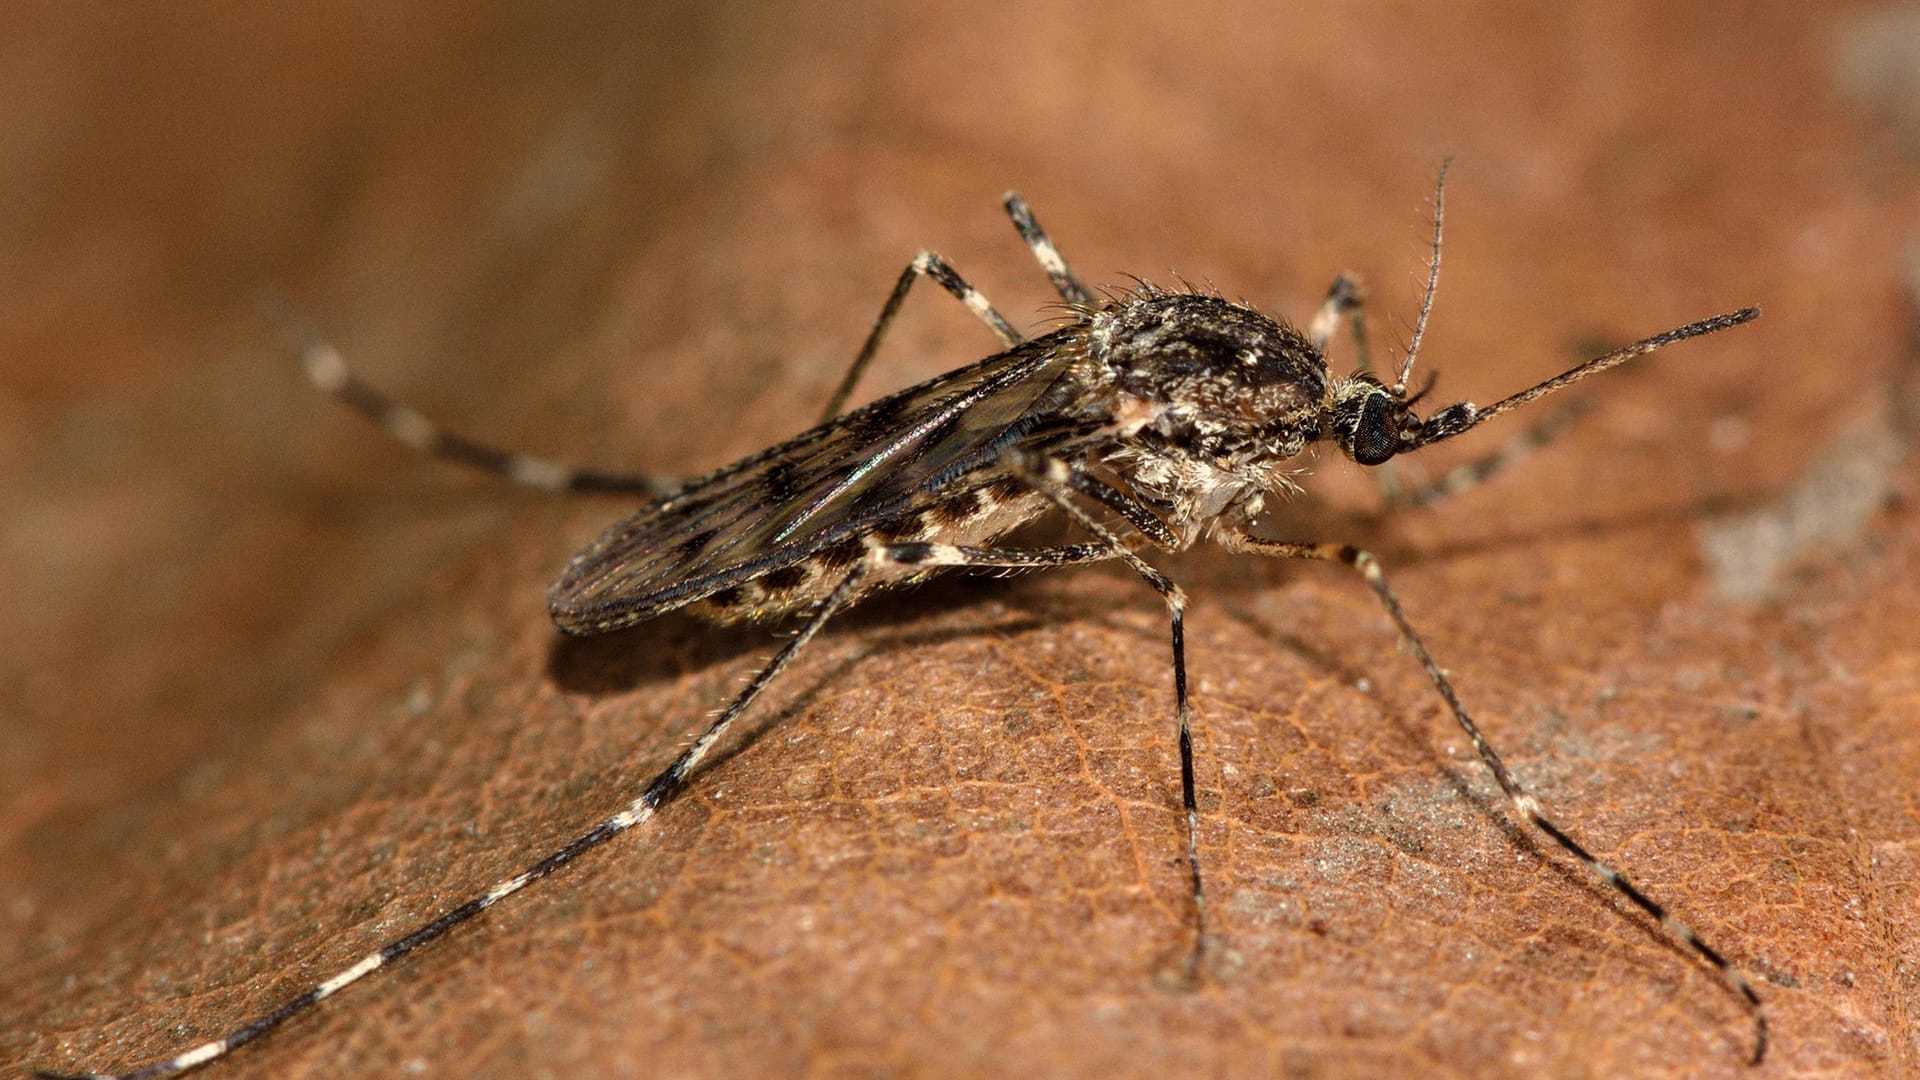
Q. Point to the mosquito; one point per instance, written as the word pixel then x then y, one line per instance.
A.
pixel 1150 418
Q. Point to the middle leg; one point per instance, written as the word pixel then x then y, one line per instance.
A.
pixel 1059 481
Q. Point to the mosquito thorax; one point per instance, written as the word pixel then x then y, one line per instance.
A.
pixel 1211 378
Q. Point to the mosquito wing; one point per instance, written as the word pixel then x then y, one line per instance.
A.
pixel 829 486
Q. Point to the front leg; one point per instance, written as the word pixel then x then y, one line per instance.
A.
pixel 1524 804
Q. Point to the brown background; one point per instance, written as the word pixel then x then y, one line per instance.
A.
pixel 272 690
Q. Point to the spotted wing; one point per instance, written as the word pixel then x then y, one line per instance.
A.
pixel 829 486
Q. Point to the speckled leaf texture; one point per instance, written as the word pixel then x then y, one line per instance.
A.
pixel 273 690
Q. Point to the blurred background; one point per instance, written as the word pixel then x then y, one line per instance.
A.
pixel 271 689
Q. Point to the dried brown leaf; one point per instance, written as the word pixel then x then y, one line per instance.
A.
pixel 275 692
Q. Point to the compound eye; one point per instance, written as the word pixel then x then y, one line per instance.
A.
pixel 1377 436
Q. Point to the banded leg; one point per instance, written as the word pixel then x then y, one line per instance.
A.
pixel 925 264
pixel 1048 256
pixel 923 553
pixel 327 370
pixel 1344 301
pixel 1057 480
pixel 1524 804
pixel 658 792
pixel 1139 517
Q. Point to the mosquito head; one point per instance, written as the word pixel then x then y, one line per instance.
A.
pixel 1373 421
pixel 1367 418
